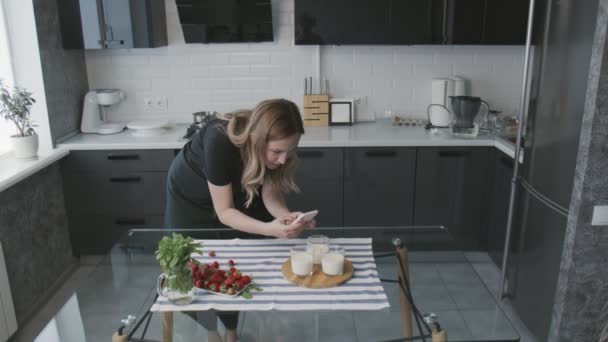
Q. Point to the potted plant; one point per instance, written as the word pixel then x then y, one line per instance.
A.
pixel 15 105
pixel 174 255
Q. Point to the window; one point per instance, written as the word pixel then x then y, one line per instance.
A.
pixel 6 74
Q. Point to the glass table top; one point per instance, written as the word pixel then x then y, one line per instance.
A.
pixel 443 281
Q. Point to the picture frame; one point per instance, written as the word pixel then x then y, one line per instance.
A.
pixel 341 112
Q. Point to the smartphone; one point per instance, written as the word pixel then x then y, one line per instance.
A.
pixel 306 216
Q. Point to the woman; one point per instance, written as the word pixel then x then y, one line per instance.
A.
pixel 234 173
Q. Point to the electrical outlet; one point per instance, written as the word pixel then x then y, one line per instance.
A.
pixel 161 104
pixel 155 103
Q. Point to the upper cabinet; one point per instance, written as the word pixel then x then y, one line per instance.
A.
pixel 113 24
pixel 410 22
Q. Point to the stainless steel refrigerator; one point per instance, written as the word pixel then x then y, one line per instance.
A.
pixel 561 43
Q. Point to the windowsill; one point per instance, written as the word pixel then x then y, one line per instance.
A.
pixel 14 170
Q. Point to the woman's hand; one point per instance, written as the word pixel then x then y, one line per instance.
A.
pixel 289 218
pixel 278 228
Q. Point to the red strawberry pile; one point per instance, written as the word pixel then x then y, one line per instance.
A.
pixel 211 277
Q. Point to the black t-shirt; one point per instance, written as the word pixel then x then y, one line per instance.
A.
pixel 213 157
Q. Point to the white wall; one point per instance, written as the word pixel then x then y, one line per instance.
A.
pixel 27 70
pixel 224 77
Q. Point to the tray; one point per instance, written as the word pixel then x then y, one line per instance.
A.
pixel 318 280
pixel 238 293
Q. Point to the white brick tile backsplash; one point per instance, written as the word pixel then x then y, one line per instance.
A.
pixel 171 84
pixel 224 77
pixel 230 71
pixel 186 71
pixel 231 95
pixel 249 58
pixel 210 59
pixel 251 83
pixel 130 60
pixel 281 71
pixel 210 83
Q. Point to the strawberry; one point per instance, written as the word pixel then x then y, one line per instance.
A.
pixel 199 284
pixel 232 270
pixel 246 279
pixel 212 253
pixel 216 264
pixel 229 281
pixel 236 275
pixel 230 262
pixel 194 270
pixel 240 284
pixel 216 287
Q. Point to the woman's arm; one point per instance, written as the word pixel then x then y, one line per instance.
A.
pixel 232 217
pixel 273 200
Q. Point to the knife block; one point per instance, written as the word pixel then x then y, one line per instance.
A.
pixel 316 110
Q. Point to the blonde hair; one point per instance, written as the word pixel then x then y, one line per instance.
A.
pixel 251 130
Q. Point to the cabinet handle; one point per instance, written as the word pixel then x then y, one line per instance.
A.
pixel 310 154
pixel 125 179
pixel 507 161
pixel 380 153
pixel 454 153
pixel 112 156
pixel 133 221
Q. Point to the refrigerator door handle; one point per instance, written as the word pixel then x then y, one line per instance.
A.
pixel 515 178
pixel 544 199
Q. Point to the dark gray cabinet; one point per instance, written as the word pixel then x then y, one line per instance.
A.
pixel 485 22
pixel 451 191
pixel 109 192
pixel 319 177
pixel 110 24
pixel 499 202
pixel 379 186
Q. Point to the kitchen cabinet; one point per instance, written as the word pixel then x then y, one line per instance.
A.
pixel 411 22
pixel 319 177
pixel 379 186
pixel 109 192
pixel 112 24
pixel 499 202
pixel 451 185
pixel 485 22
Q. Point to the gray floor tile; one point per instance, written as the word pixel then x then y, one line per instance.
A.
pixel 377 325
pixel 458 274
pixel 433 298
pixel 478 257
pixel 489 324
pixel 337 327
pixel 473 296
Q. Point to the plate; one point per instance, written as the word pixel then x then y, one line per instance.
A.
pixel 196 289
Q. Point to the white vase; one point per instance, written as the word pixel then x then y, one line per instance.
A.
pixel 25 147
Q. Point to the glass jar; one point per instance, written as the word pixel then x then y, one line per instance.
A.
pixel 301 261
pixel 332 262
pixel 177 285
pixel 318 245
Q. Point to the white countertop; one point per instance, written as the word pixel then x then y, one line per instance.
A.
pixel 14 170
pixel 366 134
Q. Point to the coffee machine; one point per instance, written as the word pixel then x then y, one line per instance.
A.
pixel 94 111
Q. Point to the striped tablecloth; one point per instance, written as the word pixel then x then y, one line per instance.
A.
pixel 263 259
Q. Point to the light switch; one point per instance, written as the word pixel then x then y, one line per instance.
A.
pixel 600 215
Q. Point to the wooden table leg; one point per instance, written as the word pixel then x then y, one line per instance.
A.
pixel 406 308
pixel 168 326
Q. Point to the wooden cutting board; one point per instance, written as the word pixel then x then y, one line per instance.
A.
pixel 318 280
